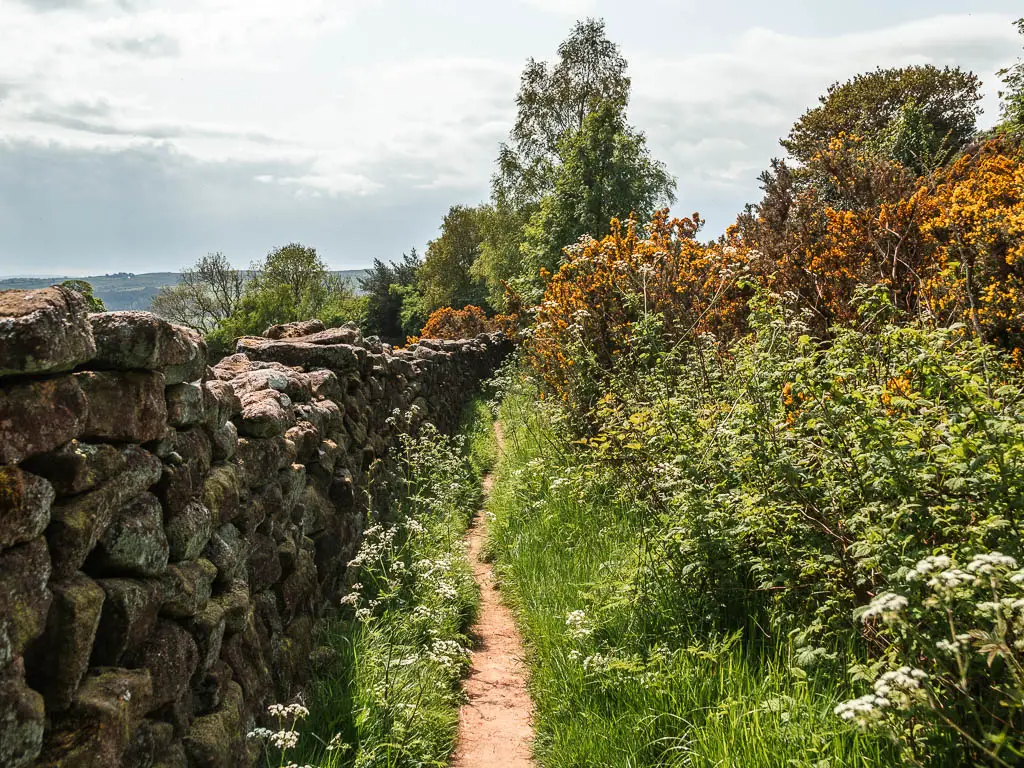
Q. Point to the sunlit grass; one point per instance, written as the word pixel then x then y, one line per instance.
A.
pixel 606 694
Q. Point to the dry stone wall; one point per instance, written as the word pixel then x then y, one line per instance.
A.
pixel 169 531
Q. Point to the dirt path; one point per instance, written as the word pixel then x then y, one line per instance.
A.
pixel 494 725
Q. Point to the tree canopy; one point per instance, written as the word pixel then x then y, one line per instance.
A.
pixel 606 172
pixel 1012 93
pixel 944 103
pixel 553 101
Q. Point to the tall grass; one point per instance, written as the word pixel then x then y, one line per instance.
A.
pixel 608 693
pixel 386 689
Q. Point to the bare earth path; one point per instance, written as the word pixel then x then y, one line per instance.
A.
pixel 494 725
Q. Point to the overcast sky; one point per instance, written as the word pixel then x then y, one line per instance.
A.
pixel 137 135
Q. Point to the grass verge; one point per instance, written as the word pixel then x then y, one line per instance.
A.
pixel 607 693
pixel 386 693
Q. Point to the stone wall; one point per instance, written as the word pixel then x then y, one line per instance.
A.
pixel 169 531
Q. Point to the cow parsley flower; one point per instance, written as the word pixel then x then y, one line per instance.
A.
pixel 888 606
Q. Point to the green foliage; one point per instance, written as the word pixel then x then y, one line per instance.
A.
pixel 553 101
pixel 445 279
pixel 382 286
pixel 611 688
pixel 946 101
pixel 500 259
pixel 478 430
pixel 606 172
pixel 387 694
pixel 207 294
pixel 911 140
pixel 94 303
pixel 768 491
pixel 1013 93
pixel 964 626
pixel 291 283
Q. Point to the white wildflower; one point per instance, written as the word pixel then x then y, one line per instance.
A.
pixel 986 565
pixel 576 621
pixel 887 606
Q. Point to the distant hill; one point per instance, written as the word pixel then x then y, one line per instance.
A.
pixel 125 290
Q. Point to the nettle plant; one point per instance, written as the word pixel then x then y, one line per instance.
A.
pixel 955 661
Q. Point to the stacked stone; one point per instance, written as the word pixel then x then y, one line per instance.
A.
pixel 169 531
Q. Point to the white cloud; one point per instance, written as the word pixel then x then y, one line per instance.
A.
pixel 307 107
pixel 565 7
pixel 716 117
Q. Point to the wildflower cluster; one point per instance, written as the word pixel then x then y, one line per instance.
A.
pixel 285 738
pixel 967 624
pixel 412 602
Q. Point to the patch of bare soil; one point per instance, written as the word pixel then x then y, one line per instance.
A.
pixel 494 725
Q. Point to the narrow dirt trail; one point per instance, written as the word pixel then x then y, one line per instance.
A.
pixel 494 725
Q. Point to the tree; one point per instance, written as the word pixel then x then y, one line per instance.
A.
pixel 297 279
pixel 945 101
pixel 500 259
pixel 207 294
pixel 383 301
pixel 1013 93
pixel 84 287
pixel 553 101
pixel 445 279
pixel 607 172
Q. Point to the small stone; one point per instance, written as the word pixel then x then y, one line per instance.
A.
pixel 336 357
pixel 347 334
pixel 258 460
pixel 43 331
pixel 25 501
pixel 24 597
pixel 150 741
pixel 171 656
pixel 129 615
pixel 134 543
pixel 229 552
pixel 209 690
pixel 59 659
pixel 22 720
pixel 235 602
pixel 225 442
pixel 78 523
pixel 294 330
pixel 264 566
pixel 126 406
pixel 244 653
pixel 221 403
pixel 265 413
pixel 77 467
pixel 207 627
pixel 187 588
pixel 98 727
pixel 222 493
pixel 307 440
pixel 183 475
pixel 39 416
pixel 186 405
pixel 217 740
pixel 140 340
pixel 188 531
